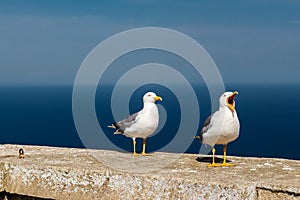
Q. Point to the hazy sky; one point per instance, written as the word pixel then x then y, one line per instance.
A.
pixel 45 41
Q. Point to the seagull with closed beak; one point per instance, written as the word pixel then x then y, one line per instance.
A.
pixel 221 127
pixel 140 124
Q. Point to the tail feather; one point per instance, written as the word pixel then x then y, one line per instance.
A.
pixel 111 126
pixel 114 125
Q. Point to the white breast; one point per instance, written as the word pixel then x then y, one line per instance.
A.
pixel 224 128
pixel 146 122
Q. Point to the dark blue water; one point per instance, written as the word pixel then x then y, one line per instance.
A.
pixel 269 117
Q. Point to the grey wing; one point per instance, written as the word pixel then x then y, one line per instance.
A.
pixel 207 124
pixel 125 123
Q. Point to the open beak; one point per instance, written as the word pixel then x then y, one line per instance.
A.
pixel 230 101
pixel 157 98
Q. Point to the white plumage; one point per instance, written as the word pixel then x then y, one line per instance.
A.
pixel 140 124
pixel 223 126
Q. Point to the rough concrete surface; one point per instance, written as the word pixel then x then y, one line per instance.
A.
pixel 67 173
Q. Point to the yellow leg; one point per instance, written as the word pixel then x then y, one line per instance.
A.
pixel 224 159
pixel 144 147
pixel 213 164
pixel 134 144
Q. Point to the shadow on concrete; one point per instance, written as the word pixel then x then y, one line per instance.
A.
pixel 209 159
pixel 8 196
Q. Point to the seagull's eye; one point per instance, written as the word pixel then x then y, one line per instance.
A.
pixel 149 95
pixel 224 95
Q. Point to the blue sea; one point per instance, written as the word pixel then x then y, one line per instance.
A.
pixel 42 115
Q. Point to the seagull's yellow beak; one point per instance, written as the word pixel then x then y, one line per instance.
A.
pixel 230 101
pixel 157 98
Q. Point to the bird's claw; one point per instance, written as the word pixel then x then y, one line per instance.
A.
pixel 227 165
pixel 214 165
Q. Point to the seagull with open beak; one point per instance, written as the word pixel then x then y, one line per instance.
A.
pixel 221 127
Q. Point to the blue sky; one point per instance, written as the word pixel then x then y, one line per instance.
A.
pixel 43 42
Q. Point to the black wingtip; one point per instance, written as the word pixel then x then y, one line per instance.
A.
pixel 199 137
pixel 118 131
pixel 115 126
